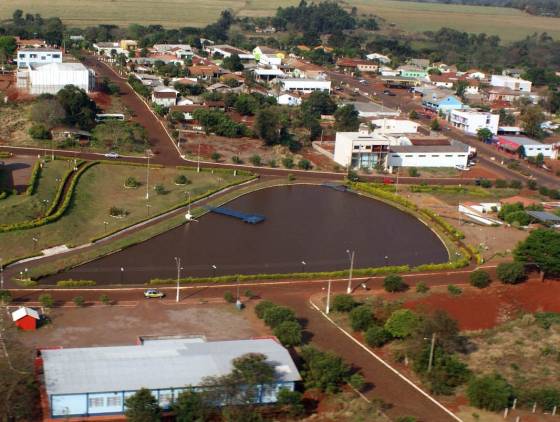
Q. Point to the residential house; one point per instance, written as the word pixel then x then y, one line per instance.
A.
pixel 475 74
pixel 371 110
pixel 515 84
pixel 35 56
pixel 30 43
pixel 508 95
pixel 379 58
pixel 268 73
pixel 351 65
pixel 225 50
pixel 289 99
pixel 300 69
pixel 164 96
pixel 268 56
pixel 524 146
pixel 471 121
pixel 204 72
pixel 305 85
pixel 187 110
pixel 96 381
pixel 26 318
pixel 439 100
pixel 411 71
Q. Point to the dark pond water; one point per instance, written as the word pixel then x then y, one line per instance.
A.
pixel 312 224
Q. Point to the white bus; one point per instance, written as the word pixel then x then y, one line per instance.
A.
pixel 108 117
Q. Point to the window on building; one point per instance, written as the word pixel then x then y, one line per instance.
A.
pixel 449 155
pixel 356 147
pixel 56 56
pixel 43 58
pixel 96 402
pixel 33 56
pixel 22 56
pixel 408 155
pixel 114 401
pixel 421 155
pixel 435 155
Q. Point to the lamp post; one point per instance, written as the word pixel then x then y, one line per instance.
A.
pixel 148 209
pixel 179 268
pixel 214 268
pixel 148 179
pixel 328 308
pixel 432 347
pixel 351 255
pixel 122 275
pixel 105 224
pixel 303 264
pixel 1 274
pixel 198 158
pixel 35 240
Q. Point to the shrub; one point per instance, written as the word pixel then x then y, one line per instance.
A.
pixel 75 283
pixel 304 164
pixel 255 160
pixel 236 160
pixel 500 183
pixel 532 184
pixel 131 182
pixel 357 381
pixel 511 272
pixel 454 290
pixel 79 301
pixel 343 303
pixel 394 283
pixel 39 131
pixel 323 370
pixel 490 392
pixel 292 400
pixel 288 162
pixel 361 318
pixel 216 156
pixel 413 172
pixel 485 183
pixel 518 217
pixel 160 189
pixel 228 297
pixel 117 212
pixel 272 163
pixel 262 307
pixel 5 297
pixel 104 299
pixel 181 179
pixel 46 300
pixel 249 294
pixel 278 314
pixel 406 419
pixel 34 179
pixel 402 323
pixel 479 278
pixel 422 288
pixel 291 177
pixel 515 184
pixel 376 336
pixel 288 333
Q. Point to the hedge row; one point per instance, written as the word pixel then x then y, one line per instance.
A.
pixel 53 217
pixel 60 190
pixel 35 173
pixel 473 190
pixel 217 170
pixel 5 154
pixel 125 163
pixel 456 234
pixel 3 195
pixel 75 283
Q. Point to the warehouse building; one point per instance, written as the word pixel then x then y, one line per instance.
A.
pixel 96 381
pixel 305 85
pixel 529 147
pixel 51 78
pixel 454 155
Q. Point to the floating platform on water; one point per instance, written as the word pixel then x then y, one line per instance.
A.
pixel 246 218
pixel 336 186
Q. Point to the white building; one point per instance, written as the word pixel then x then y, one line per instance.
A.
pixel 516 84
pixel 226 50
pixel 305 85
pixel 164 96
pixel 51 78
pixel 362 149
pixel 451 156
pixel 394 126
pixel 470 121
pixel 380 58
pixel 289 99
pixel 106 48
pixel 531 147
pixel 373 110
pixel 31 56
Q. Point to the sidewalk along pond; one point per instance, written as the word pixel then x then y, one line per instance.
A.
pixel 306 228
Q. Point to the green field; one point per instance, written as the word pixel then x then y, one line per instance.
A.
pixel 509 24
pixel 99 188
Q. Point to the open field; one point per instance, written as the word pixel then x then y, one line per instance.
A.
pixel 509 24
pixel 100 188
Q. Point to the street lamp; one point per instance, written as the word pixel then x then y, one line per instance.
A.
pixel 122 275
pixel 198 158
pixel 214 268
pixel 351 255
pixel 105 224
pixel 303 264
pixel 35 240
pixel 328 309
pixel 432 347
pixel 148 179
pixel 179 268
pixel 1 274
pixel 148 209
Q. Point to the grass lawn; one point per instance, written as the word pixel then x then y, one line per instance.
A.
pixel 17 208
pixel 100 188
pixel 509 24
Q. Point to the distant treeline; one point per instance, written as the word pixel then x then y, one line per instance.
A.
pixel 534 7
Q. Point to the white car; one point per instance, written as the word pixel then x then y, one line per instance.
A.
pixel 112 155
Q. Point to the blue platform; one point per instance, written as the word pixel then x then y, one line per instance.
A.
pixel 246 218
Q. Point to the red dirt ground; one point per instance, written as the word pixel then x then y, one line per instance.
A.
pixel 101 99
pixel 481 309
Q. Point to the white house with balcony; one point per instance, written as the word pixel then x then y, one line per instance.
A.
pixel 41 55
pixel 471 121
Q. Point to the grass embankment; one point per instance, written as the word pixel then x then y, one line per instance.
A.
pixel 23 207
pixel 102 187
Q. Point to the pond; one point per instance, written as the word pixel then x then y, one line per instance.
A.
pixel 307 228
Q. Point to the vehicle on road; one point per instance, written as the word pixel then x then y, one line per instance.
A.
pixel 463 168
pixel 112 154
pixel 389 93
pixel 388 181
pixel 153 294
pixel 363 82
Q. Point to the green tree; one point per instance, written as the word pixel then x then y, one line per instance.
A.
pixel 460 88
pixel 271 126
pixel 291 402
pixel 490 392
pixel 304 164
pixel 435 126
pixel 402 323
pixel 361 318
pixel 47 112
pixel 323 370
pixel 479 278
pixel 142 406
pixel 255 160
pixel 278 314
pixel 288 333
pixel 5 297
pixel 262 307
pixel 190 406
pixel 346 119
pixel 531 119
pixel 511 272
pixel 413 115
pixel 46 300
pixel 541 247
pixel 318 103
pixel 343 303
pixel 80 110
pixel 394 283
pixel 8 47
pixel 39 131
pixel 246 104
pixel 506 118
pixel 233 63
pixel 377 336
pixel 484 134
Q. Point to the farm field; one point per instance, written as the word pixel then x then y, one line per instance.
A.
pixel 509 24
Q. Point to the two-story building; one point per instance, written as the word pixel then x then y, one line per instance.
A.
pixel 515 84
pixel 36 56
pixel 441 101
pixel 471 121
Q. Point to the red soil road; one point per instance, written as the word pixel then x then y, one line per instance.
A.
pixel 481 309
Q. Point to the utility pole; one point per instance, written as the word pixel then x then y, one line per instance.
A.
pixel 351 255
pixel 148 179
pixel 1 274
pixel 178 262
pixel 328 309
pixel 198 158
pixel 432 347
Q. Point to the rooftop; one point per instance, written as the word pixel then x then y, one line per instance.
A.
pixel 520 140
pixel 156 364
pixel 429 148
pixel 371 107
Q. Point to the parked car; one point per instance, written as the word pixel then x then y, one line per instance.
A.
pixel 112 154
pixel 363 82
pixel 388 181
pixel 153 294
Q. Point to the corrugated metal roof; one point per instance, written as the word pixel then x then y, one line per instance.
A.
pixel 544 216
pixel 157 364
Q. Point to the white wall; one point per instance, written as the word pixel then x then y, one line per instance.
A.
pixel 305 85
pixel 516 84
pixel 426 159
pixel 27 57
pixel 534 150
pixel 388 126
pixel 52 80
pixel 470 122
